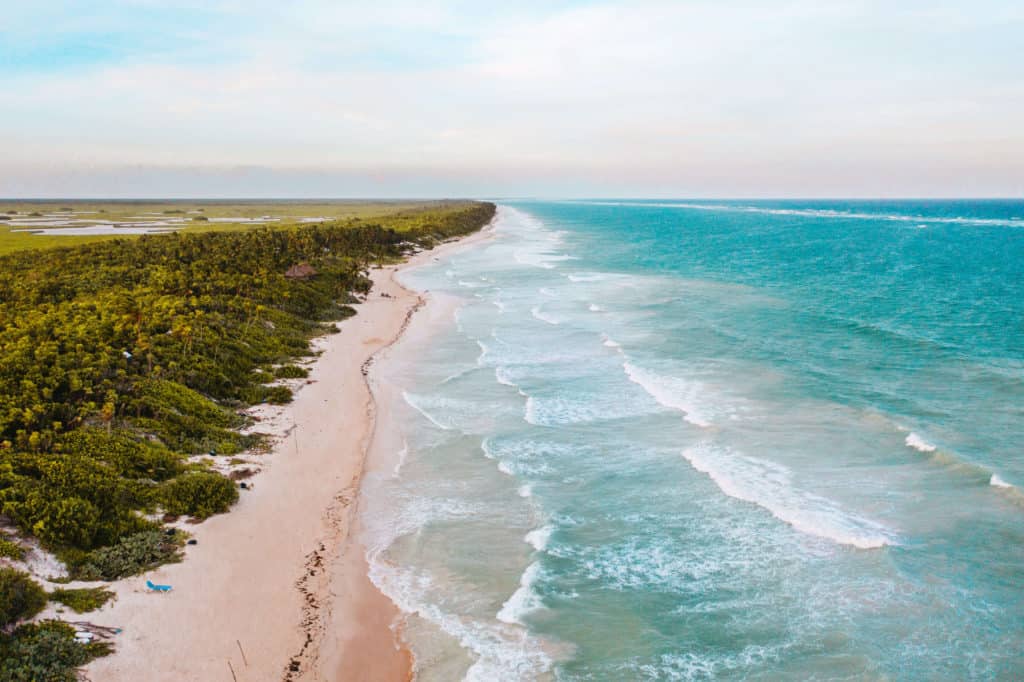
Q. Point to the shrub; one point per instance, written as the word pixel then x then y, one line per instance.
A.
pixel 20 596
pixel 291 372
pixel 275 395
pixel 71 500
pixel 82 600
pixel 45 652
pixel 134 554
pixel 11 549
pixel 131 457
pixel 201 494
pixel 187 421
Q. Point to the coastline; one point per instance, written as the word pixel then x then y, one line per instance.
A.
pixel 360 618
pixel 279 588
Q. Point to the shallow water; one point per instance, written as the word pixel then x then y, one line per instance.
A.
pixel 678 440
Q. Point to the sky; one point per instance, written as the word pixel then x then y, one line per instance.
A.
pixel 637 98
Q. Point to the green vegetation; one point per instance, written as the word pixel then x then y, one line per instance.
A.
pixel 45 652
pixel 20 597
pixel 132 555
pixel 11 550
pixel 82 600
pixel 200 495
pixel 291 372
pixel 121 360
pixel 215 216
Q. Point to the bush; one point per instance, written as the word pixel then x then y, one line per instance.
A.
pixel 20 596
pixel 131 457
pixel 45 652
pixel 82 600
pixel 71 500
pixel 201 494
pixel 11 550
pixel 275 395
pixel 134 554
pixel 291 372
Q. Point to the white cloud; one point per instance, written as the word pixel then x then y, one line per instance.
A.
pixel 707 97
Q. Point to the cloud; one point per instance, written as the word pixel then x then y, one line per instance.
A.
pixel 795 98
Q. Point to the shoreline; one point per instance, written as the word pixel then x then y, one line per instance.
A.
pixel 278 588
pixel 352 568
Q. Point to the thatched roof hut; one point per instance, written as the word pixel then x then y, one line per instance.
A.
pixel 300 271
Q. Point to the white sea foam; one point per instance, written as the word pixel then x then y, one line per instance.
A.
pixel 548 291
pixel 587 277
pixel 769 485
pixel 560 410
pixel 997 482
pixel 577 407
pixel 824 213
pixel 403 454
pixel 448 413
pixel 544 317
pixel 525 490
pixel 673 392
pixel 502 651
pixel 540 259
pixel 419 511
pixel 921 445
pixel 504 377
pixel 607 341
pixel 538 537
pixel 595 308
pixel 524 600
pixel 525 457
pixel 501 374
pixel 415 402
pixel 701 666
pixel 481 359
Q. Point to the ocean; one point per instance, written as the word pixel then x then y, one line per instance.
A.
pixel 673 440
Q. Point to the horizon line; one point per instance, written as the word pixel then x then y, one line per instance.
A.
pixel 393 199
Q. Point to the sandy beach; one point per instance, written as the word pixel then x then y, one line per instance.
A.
pixel 277 589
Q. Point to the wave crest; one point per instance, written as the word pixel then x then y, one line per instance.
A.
pixel 768 485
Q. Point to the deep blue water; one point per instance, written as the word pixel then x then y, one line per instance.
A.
pixel 690 440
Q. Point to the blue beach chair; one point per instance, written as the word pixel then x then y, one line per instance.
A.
pixel 153 587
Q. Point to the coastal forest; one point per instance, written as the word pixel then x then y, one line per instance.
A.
pixel 125 367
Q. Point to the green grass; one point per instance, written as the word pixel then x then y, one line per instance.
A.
pixel 398 213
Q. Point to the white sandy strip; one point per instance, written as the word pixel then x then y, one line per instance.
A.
pixel 277 580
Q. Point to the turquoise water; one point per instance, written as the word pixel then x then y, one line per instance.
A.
pixel 691 440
